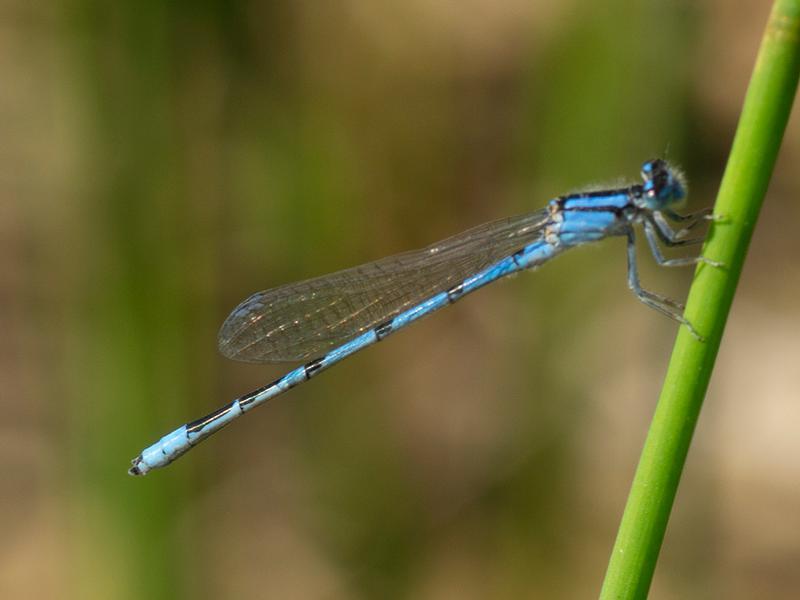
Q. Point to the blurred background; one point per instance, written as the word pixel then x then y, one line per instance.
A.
pixel 161 161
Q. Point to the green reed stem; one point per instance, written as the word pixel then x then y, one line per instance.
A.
pixel 758 137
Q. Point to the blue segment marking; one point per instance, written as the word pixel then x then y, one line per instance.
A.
pixel 610 199
pixel 337 315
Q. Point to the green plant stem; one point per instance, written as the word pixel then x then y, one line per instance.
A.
pixel 766 110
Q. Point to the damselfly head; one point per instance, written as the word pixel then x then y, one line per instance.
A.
pixel 663 185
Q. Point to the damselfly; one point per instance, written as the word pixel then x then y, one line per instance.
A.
pixel 329 318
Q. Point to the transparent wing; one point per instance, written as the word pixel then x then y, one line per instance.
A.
pixel 305 319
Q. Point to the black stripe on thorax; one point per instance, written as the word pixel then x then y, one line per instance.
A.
pixel 599 193
pixel 561 202
pixel 618 212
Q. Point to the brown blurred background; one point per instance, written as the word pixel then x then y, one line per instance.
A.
pixel 161 161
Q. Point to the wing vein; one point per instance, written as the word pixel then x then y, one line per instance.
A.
pixel 301 320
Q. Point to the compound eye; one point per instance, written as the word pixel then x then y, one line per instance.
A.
pixel 654 168
pixel 661 186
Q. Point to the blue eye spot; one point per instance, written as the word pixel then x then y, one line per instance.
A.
pixel 663 185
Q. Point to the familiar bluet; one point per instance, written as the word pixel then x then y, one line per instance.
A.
pixel 336 315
